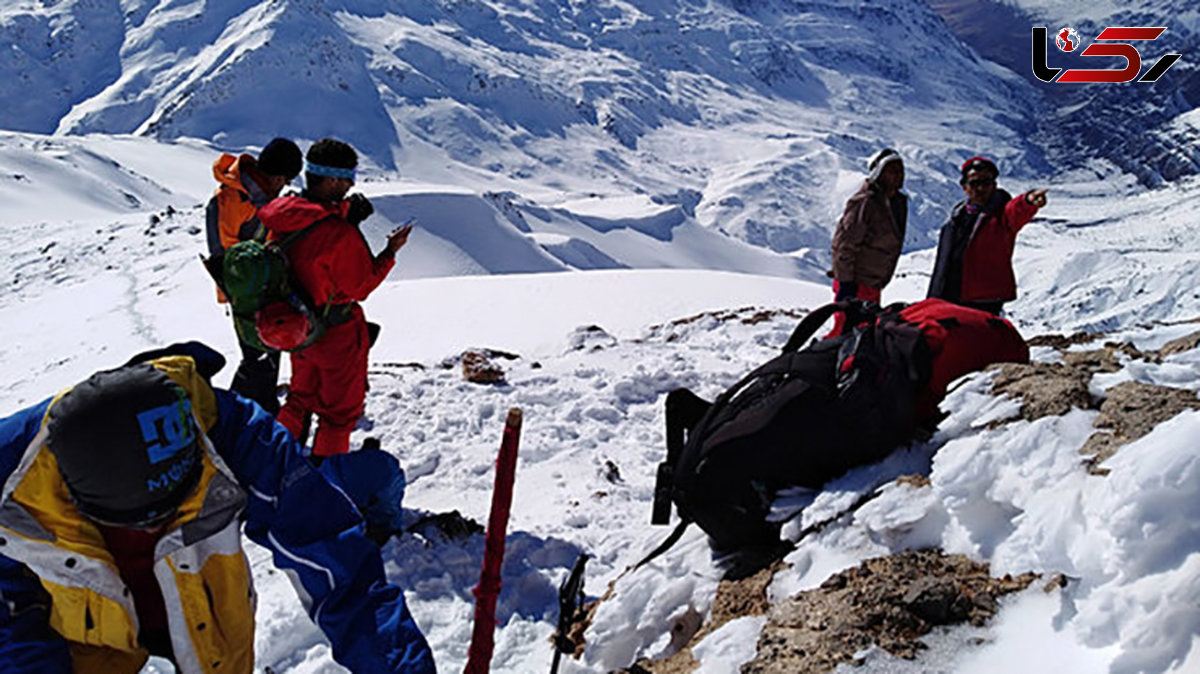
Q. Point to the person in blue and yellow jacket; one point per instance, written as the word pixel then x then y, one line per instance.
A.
pixel 121 514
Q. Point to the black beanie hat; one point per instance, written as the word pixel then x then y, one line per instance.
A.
pixel 126 445
pixel 332 152
pixel 281 157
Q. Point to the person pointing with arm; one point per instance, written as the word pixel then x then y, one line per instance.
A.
pixel 975 249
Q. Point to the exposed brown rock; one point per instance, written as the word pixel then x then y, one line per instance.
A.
pixel 1180 345
pixel 480 369
pixel 1105 359
pixel 917 481
pixel 1062 342
pixel 741 598
pixel 746 315
pixel 1132 410
pixel 889 601
pixel 1056 582
pixel 1045 389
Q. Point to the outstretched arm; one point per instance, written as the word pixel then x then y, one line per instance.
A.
pixel 315 532
pixel 1021 209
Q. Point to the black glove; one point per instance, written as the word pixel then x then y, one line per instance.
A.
pixel 360 208
pixel 847 290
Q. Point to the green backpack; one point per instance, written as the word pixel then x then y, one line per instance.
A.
pixel 271 310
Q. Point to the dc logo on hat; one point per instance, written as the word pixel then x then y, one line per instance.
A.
pixel 166 430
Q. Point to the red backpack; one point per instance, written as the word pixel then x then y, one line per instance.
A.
pixel 960 340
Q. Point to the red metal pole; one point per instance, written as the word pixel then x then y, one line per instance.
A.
pixel 483 633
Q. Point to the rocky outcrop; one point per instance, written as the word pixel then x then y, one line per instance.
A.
pixel 889 602
pixel 1128 410
pixel 1131 410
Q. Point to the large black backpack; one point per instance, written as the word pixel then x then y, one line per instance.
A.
pixel 800 419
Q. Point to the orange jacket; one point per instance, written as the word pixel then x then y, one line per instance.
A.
pixel 232 212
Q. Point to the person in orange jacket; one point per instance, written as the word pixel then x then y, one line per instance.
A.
pixel 335 266
pixel 974 257
pixel 244 185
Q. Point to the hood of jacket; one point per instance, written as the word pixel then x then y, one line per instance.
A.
pixel 228 170
pixel 293 213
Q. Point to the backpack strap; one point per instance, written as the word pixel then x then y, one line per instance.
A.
pixel 808 326
pixel 252 229
pixel 286 242
pixel 667 544
pixel 857 311
pixel 292 238
pixel 684 411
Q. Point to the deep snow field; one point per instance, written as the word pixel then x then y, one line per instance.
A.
pixel 92 280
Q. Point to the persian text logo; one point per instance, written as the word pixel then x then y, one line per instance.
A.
pixel 1119 37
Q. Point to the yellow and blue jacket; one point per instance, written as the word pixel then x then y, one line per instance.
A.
pixel 64 607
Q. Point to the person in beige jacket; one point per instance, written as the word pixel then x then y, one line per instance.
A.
pixel 870 234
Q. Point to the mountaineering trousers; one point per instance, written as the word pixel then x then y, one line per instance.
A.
pixel 863 292
pixel 329 379
pixel 256 377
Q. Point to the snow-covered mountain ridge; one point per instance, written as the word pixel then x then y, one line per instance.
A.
pixel 613 144
pixel 1137 127
pixel 551 101
pixel 86 292
pixel 545 97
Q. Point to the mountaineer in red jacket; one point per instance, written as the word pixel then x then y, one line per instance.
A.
pixel 335 266
pixel 975 249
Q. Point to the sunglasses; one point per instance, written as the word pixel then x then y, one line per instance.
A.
pixel 980 182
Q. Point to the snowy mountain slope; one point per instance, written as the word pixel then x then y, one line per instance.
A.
pixel 461 232
pixel 87 293
pixel 44 177
pixel 1132 126
pixel 605 97
pixel 502 236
